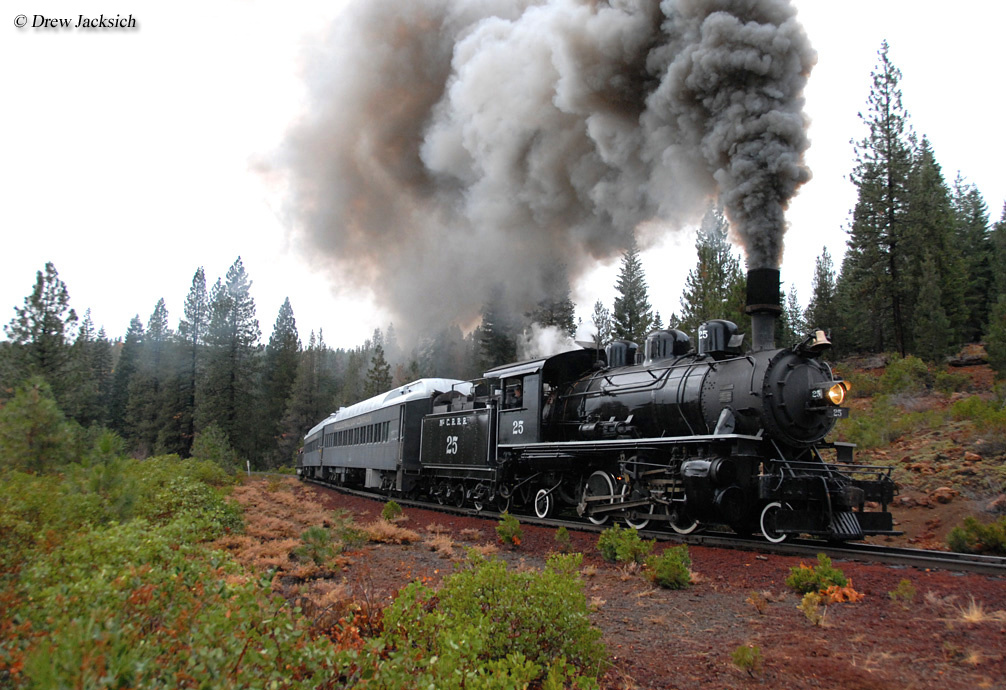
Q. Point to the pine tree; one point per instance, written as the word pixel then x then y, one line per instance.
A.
pixel 793 326
pixel 40 331
pixel 279 374
pixel 89 375
pixel 715 288
pixel 379 374
pixel 601 318
pixel 973 239
pixel 497 333
pixel 191 334
pixel 126 366
pixel 149 383
pixel 929 232
pixel 632 316
pixel 999 258
pixel 34 435
pixel 995 338
pixel 311 399
pixel 228 392
pixel 821 311
pixel 555 308
pixel 931 325
pixel 875 262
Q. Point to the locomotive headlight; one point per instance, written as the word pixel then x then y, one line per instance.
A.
pixel 836 393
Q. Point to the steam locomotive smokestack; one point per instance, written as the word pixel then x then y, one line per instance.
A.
pixel 763 306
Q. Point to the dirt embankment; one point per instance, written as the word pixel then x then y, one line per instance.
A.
pixel 942 630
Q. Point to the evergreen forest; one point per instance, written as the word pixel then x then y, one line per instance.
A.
pixel 923 273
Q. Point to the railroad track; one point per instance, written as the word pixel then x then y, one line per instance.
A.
pixel 994 566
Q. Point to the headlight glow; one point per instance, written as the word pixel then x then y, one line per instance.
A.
pixel 836 394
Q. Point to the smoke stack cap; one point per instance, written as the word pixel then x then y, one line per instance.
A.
pixel 763 291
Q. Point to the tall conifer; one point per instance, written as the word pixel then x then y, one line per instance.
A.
pixel 632 316
pixel 875 263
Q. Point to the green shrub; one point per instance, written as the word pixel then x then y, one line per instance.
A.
pixel 949 382
pixel 34 435
pixel 804 578
pixel 487 622
pixel 909 375
pixel 212 444
pixel 814 607
pixel 316 546
pixel 391 511
pixel 623 545
pixel 903 594
pixel 748 658
pixel 671 568
pixel 133 606
pixel 986 415
pixel 862 385
pixel 974 537
pixel 563 540
pixel 508 530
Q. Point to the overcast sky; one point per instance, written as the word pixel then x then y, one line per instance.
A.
pixel 129 156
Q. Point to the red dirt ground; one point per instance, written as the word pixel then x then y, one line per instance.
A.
pixel 684 639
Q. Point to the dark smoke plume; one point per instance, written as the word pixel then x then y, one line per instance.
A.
pixel 456 144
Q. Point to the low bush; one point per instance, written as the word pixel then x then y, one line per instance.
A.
pixel 748 658
pixel 986 415
pixel 316 546
pixel 619 545
pixel 804 579
pixel 906 375
pixel 391 511
pixel 974 537
pixel 563 540
pixel 509 531
pixel 487 624
pixel 903 594
pixel 949 382
pixel 671 568
pixel 141 602
pixel 814 608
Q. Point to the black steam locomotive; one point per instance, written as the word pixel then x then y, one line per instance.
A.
pixel 704 435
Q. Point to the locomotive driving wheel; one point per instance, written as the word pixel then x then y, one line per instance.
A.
pixel 544 503
pixel 680 522
pixel 634 495
pixel 768 522
pixel 599 484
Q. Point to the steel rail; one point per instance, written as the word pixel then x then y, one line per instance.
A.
pixel 993 566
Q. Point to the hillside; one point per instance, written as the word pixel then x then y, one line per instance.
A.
pixel 943 431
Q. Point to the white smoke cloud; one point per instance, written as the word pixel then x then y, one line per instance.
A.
pixel 457 144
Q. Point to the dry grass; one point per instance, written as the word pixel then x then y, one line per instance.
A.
pixel 975 612
pixel 436 528
pixel 384 532
pixel 442 544
pixel 274 520
pixel 472 534
pixel 486 550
